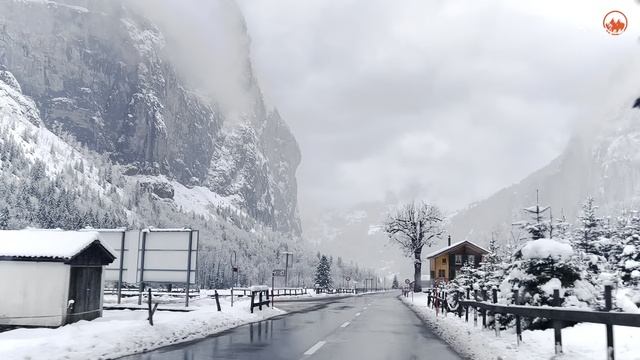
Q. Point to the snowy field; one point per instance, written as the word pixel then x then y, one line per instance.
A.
pixel 583 341
pixel 124 332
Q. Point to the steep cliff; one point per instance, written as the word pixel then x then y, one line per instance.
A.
pixel 100 71
pixel 603 162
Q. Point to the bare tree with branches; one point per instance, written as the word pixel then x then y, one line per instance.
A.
pixel 412 227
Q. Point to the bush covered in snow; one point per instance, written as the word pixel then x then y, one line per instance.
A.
pixel 578 261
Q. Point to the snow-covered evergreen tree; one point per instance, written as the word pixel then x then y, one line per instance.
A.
pixel 465 278
pixel 629 258
pixel 395 284
pixel 323 273
pixel 589 229
pixel 538 268
pixel 490 272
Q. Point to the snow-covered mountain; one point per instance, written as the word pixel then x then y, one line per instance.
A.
pixel 603 162
pixel 99 72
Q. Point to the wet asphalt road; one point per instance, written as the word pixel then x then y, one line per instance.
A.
pixel 367 327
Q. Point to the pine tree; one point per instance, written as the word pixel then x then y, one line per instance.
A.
pixel 563 228
pixel 629 258
pixel 490 272
pixel 395 284
pixel 4 218
pixel 538 267
pixel 589 230
pixel 465 278
pixel 323 273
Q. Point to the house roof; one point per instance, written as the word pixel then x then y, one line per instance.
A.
pixel 455 246
pixel 55 245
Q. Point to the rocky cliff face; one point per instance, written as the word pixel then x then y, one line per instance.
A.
pixel 96 70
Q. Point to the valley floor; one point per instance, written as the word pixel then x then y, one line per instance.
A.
pixel 582 341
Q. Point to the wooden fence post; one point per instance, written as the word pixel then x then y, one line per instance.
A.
pixel 484 312
pixel 516 301
pixel 253 296
pixel 475 309
pixel 152 310
pixel 217 300
pixel 496 316
pixel 444 302
pixel 268 300
pixel 466 308
pixel 260 300
pixel 557 325
pixel 607 307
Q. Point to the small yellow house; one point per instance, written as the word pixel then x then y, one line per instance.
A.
pixel 445 262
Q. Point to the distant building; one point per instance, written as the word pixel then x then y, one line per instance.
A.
pixel 51 277
pixel 445 262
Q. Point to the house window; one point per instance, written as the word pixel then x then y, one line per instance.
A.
pixel 440 273
pixel 444 260
pixel 458 259
pixel 471 259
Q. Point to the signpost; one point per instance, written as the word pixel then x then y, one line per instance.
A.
pixel 276 272
pixel 234 273
pixel 286 267
pixel 348 278
pixel 279 272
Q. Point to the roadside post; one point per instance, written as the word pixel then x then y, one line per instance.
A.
pixel 286 266
pixel 234 273
pixel 276 272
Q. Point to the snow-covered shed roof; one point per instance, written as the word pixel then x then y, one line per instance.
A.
pixel 47 244
pixel 455 246
pixel 153 229
pixel 100 230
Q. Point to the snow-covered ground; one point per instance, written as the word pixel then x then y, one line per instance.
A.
pixel 582 341
pixel 123 332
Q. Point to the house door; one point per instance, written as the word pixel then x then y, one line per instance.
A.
pixel 85 288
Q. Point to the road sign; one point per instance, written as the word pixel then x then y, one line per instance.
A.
pixel 347 278
pixel 278 272
pixel 407 281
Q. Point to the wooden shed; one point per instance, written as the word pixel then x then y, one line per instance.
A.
pixel 445 262
pixel 51 277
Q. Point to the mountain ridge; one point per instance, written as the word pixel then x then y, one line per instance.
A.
pixel 96 70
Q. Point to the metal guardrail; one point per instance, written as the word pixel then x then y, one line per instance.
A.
pixel 558 316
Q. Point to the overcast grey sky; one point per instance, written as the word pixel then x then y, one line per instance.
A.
pixel 442 100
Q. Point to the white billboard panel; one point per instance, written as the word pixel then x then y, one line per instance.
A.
pixel 168 256
pixel 156 255
pixel 125 249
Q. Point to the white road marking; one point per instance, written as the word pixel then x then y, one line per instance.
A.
pixel 315 348
pixel 346 323
pixel 358 314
